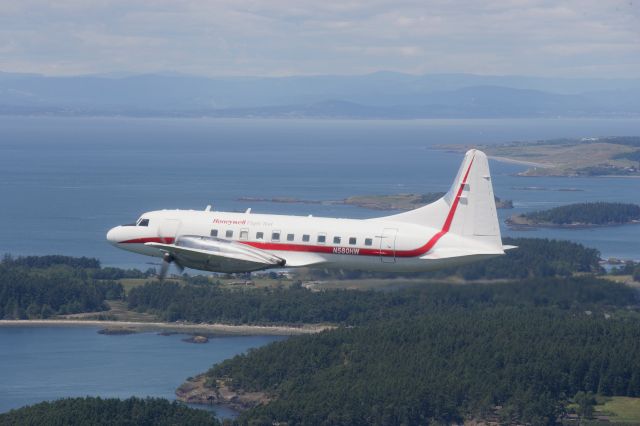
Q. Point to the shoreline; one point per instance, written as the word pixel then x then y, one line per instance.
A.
pixel 194 391
pixel 519 162
pixel 217 328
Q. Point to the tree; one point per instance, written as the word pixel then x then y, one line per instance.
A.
pixel 586 401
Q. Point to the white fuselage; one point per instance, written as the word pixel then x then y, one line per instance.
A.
pixel 370 244
pixel 460 227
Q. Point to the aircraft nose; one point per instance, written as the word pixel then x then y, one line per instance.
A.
pixel 113 236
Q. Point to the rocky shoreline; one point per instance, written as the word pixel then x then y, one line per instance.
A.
pixel 196 391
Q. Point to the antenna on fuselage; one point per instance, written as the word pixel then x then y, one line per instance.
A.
pixel 208 208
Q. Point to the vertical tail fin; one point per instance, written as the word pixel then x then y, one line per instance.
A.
pixel 468 209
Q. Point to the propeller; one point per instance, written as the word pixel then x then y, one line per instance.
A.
pixel 167 260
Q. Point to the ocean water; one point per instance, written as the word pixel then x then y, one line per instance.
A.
pixel 46 363
pixel 65 181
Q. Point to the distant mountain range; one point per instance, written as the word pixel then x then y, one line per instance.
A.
pixel 377 95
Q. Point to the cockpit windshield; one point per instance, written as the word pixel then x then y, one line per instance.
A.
pixel 139 222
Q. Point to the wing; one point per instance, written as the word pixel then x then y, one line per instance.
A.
pixel 217 255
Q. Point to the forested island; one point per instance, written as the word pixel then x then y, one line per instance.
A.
pixel 515 352
pixel 579 215
pixel 108 412
pixel 523 341
pixel 375 202
pixel 595 156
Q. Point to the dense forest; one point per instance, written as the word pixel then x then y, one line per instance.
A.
pixel 172 301
pixel 600 213
pixel 39 287
pixel 525 347
pixel 534 257
pixel 108 412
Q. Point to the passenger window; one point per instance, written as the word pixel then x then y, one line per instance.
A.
pixel 306 238
pixel 322 239
pixel 368 242
pixel 352 241
pixel 244 234
pixel 259 235
pixel 229 234
pixel 290 237
pixel 214 232
pixel 275 236
pixel 336 240
pixel 144 222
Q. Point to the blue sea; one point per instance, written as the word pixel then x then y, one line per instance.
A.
pixel 46 363
pixel 65 181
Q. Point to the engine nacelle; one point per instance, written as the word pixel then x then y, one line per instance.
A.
pixel 218 255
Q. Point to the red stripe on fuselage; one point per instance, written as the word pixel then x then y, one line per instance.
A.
pixel 330 249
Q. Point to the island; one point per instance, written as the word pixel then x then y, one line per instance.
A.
pixel 426 355
pixel 593 156
pixel 407 201
pixel 422 353
pixel 579 215
pixel 196 339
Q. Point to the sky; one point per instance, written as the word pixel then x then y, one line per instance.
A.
pixel 585 38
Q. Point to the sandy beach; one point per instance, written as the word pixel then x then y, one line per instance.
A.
pixel 174 327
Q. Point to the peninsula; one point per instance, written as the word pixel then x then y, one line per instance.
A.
pixel 580 215
pixel 594 156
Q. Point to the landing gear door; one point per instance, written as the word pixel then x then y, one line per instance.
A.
pixel 168 230
pixel 388 245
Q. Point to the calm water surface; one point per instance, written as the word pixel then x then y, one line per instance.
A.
pixel 65 181
pixel 45 363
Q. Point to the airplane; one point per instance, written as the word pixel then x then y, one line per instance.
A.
pixel 458 228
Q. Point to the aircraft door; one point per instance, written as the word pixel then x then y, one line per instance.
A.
pixel 388 245
pixel 168 230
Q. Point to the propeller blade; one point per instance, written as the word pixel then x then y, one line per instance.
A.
pixel 164 268
pixel 179 266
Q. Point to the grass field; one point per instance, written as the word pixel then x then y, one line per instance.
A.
pixel 620 409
